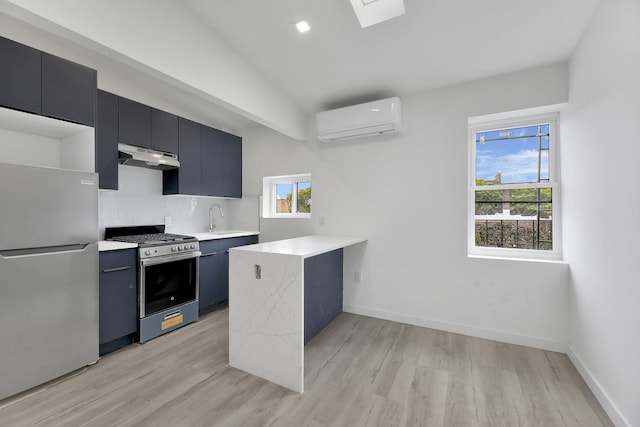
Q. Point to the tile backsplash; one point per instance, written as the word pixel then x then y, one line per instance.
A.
pixel 139 201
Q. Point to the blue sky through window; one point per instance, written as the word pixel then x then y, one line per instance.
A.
pixel 283 190
pixel 514 154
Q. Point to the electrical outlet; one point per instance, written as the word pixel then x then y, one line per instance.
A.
pixel 258 271
pixel 357 276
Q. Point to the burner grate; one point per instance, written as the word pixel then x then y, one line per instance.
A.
pixel 153 238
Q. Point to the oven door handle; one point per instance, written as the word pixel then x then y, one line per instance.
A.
pixel 169 258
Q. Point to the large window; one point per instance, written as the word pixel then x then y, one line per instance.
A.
pixel 287 196
pixel 513 190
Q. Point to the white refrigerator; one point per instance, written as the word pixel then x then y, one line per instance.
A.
pixel 48 274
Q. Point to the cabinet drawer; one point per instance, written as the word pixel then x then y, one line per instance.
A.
pixel 220 245
pixel 110 260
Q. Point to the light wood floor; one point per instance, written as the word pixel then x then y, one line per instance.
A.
pixel 358 372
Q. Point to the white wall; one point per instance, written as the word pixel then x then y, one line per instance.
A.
pixel 28 149
pixel 140 202
pixel 408 194
pixel 600 154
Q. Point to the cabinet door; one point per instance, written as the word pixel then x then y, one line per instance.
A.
pixel 213 159
pixel 164 131
pixel 322 291
pixel 118 295
pixel 188 178
pixel 20 76
pixel 214 269
pixel 134 123
pixel 68 90
pixel 214 280
pixel 232 166
pixel 107 140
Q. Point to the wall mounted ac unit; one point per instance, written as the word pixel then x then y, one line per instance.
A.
pixel 371 118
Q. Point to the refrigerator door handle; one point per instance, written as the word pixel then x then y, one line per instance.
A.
pixel 16 253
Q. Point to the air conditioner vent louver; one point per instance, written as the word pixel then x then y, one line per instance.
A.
pixel 368 119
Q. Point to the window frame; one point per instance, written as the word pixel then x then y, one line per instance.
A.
pixel 269 195
pixel 478 125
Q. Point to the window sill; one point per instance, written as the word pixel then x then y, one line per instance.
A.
pixel 287 217
pixel 523 259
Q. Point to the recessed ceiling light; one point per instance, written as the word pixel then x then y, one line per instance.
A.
pixel 303 26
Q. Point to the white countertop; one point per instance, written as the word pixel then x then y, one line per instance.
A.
pixel 223 234
pixel 304 247
pixel 108 245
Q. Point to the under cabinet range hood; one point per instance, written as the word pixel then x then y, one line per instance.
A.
pixel 147 158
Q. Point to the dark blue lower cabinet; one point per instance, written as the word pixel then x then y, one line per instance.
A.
pixel 214 275
pixel 214 270
pixel 322 291
pixel 118 302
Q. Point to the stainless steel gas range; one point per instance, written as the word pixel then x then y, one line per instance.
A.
pixel 168 278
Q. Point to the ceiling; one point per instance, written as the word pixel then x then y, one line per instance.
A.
pixel 238 63
pixel 436 43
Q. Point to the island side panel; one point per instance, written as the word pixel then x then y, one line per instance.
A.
pixel 266 323
pixel 323 287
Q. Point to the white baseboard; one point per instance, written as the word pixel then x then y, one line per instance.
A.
pixel 603 398
pixel 458 328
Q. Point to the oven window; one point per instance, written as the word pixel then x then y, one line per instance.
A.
pixel 170 284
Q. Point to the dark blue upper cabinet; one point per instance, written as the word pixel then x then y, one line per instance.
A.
pixel 107 140
pixel 221 163
pixel 68 90
pixel 20 76
pixel 188 178
pixel 164 131
pixel 212 162
pixel 134 123
pixel 233 166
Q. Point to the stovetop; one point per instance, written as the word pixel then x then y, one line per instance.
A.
pixel 154 239
pixel 146 235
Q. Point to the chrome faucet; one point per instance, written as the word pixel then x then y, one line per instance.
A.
pixel 212 222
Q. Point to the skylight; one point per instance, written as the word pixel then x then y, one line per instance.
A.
pixel 370 12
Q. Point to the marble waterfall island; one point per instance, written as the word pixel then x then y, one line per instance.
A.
pixel 281 294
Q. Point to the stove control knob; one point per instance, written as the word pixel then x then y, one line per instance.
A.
pixel 180 247
pixel 174 248
pixel 147 252
pixel 192 246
